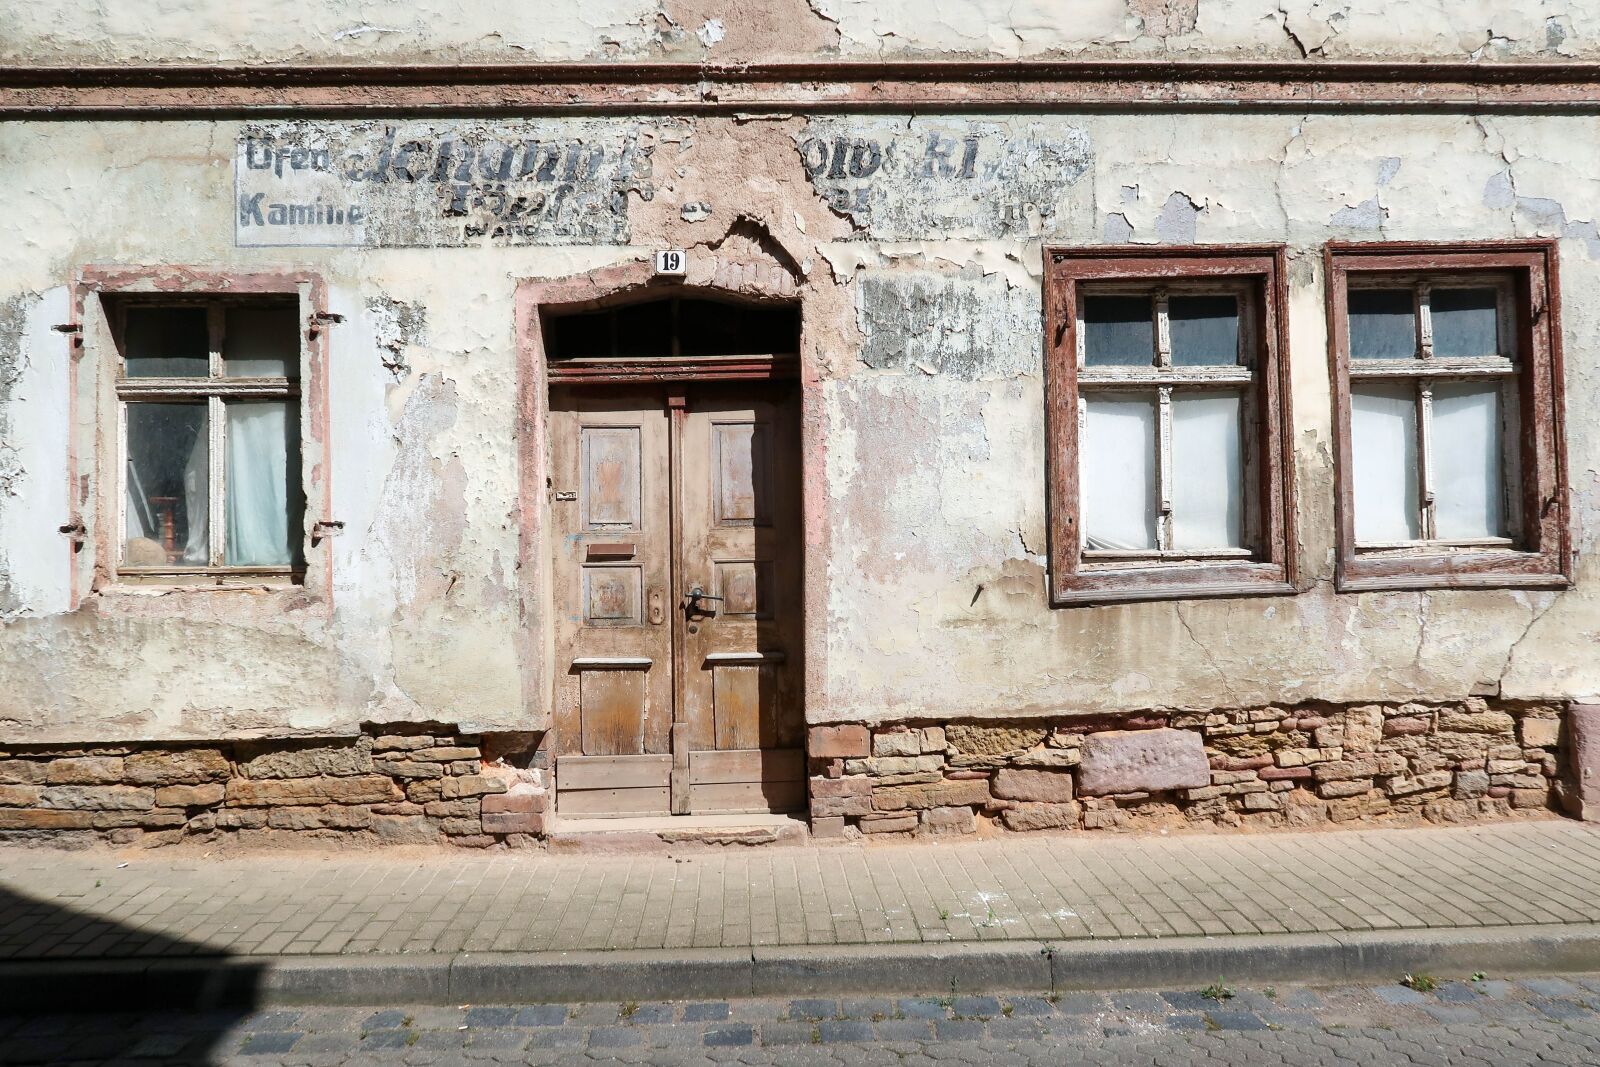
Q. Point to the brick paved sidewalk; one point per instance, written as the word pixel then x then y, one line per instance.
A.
pixel 1050 888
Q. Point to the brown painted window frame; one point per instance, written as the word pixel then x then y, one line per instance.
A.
pixel 1544 559
pixel 1269 572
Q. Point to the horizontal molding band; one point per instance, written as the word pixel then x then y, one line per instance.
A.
pixel 806 88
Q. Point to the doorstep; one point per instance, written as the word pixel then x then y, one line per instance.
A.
pixel 653 832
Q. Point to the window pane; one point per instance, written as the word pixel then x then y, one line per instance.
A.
pixel 1204 330
pixel 1464 322
pixel 167 342
pixel 1383 448
pixel 262 342
pixel 1118 331
pixel 1383 324
pixel 1118 473
pixel 263 501
pixel 169 475
pixel 1207 473
pixel 1467 460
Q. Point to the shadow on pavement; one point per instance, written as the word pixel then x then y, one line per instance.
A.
pixel 152 996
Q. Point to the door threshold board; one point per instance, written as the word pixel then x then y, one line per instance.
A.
pixel 662 830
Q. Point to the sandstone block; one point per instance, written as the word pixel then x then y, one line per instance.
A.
pixel 149 820
pixel 1241 763
pixel 1541 733
pixel 85 770
pixel 1232 777
pixel 933 739
pixel 932 795
pixel 1407 726
pixel 1284 774
pixel 1040 816
pixel 424 791
pixel 976 740
pixel 1061 758
pixel 462 827
pixel 445 753
pixel 1476 722
pixel 523 798
pixel 893 824
pixel 1041 786
pixel 451 809
pixel 404 830
pixel 1119 761
pixel 98 798
pixel 841 787
pixel 513 822
pixel 1262 802
pixel 828 827
pixel 464 766
pixel 401 742
pixel 404 807
pixel 1205 792
pixel 838 742
pixel 1471 784
pixel 832 806
pixel 1342 770
pixel 1329 736
pixel 360 789
pixel 185 766
pixel 44 819
pixel 22 771
pixel 897 743
pixel 1530 798
pixel 472 785
pixel 189 796
pixel 327 817
pixel 407 769
pixel 336 761
pixel 1399 787
pixel 19 796
pixel 943 821
pixel 1344 787
pixel 241 819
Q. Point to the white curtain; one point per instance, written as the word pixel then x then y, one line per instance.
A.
pixel 1117 472
pixel 258 504
pixel 197 498
pixel 1207 472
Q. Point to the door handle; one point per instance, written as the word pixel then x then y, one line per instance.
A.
pixel 696 595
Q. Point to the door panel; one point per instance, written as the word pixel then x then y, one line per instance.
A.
pixel 610 516
pixel 740 542
pixel 667 701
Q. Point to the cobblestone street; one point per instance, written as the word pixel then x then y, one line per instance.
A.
pixel 1488 1022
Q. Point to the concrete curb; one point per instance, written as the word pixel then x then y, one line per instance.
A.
pixel 685 974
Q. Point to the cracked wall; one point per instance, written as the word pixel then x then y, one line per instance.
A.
pixel 370 31
pixel 925 590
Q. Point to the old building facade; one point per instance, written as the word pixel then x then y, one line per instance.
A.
pixel 431 426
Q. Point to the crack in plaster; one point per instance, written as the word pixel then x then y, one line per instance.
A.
pixel 1205 650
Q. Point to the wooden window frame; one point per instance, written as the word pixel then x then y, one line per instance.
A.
pixel 213 390
pixel 1079 577
pixel 1538 554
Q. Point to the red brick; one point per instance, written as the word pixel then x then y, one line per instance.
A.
pixel 1283 774
pixel 838 742
pixel 855 786
pixel 522 799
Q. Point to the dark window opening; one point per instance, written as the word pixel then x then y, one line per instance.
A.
pixel 674 328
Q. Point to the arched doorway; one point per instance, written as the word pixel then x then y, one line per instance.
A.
pixel 675 519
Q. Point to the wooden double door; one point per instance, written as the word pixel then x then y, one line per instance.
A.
pixel 677 577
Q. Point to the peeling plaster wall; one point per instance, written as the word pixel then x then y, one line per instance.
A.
pixel 371 31
pixel 925 444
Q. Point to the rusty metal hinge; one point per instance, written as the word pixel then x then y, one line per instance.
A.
pixel 76 530
pixel 319 319
pixel 325 528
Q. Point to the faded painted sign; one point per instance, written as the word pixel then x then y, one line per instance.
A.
pixel 907 179
pixel 440 183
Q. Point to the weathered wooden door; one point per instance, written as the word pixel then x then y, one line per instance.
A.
pixel 677 571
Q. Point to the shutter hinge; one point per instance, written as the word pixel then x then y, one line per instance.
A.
pixel 325 528
pixel 319 319
pixel 77 531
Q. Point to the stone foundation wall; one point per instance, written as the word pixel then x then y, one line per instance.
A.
pixel 392 785
pixel 1298 766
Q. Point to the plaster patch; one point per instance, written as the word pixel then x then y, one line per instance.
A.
pixel 967 325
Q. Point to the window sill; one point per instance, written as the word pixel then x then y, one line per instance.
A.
pixel 1488 569
pixel 1100 584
